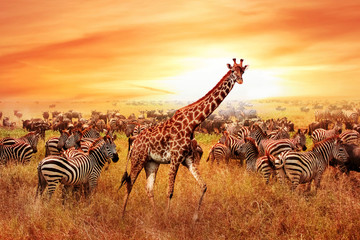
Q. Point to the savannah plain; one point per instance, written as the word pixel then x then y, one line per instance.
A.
pixel 237 204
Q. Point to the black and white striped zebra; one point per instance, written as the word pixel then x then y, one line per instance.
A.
pixel 234 144
pixel 81 169
pixel 219 153
pixel 321 134
pixel 257 134
pixel 138 129
pixel 243 132
pixel 32 138
pixel 54 145
pixel 349 137
pixel 19 152
pixel 304 167
pixel 265 166
pixel 250 151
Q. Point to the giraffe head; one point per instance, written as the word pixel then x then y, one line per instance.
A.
pixel 238 70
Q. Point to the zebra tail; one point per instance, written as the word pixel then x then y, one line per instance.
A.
pixel 271 163
pixel 282 161
pixel 41 181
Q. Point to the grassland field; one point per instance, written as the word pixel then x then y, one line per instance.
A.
pixel 237 204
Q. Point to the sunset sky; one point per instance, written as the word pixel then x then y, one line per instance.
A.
pixel 74 50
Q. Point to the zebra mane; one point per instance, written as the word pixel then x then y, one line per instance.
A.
pixel 29 134
pixel 330 139
pixel 96 142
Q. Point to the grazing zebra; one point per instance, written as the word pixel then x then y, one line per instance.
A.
pixel 138 129
pixel 257 134
pixel 90 132
pixel 275 147
pixel 321 134
pixel 280 133
pixel 251 152
pixel 243 132
pixel 32 138
pixel 78 169
pixel 234 144
pixel 349 137
pixel 19 151
pixel 220 153
pixel 303 167
pixel 54 145
pixel 265 166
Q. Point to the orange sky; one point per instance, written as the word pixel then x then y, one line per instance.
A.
pixel 110 49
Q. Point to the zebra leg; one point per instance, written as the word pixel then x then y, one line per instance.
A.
pixel 188 163
pixel 151 169
pixel 52 187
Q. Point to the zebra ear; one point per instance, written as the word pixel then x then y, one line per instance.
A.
pixel 114 137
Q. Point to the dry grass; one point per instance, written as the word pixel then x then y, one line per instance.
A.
pixel 237 205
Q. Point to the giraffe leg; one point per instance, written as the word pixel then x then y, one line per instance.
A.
pixel 136 168
pixel 188 163
pixel 151 169
pixel 174 167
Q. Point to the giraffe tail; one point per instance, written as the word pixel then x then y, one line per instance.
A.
pixel 126 177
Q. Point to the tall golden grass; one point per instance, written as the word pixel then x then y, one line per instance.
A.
pixel 237 204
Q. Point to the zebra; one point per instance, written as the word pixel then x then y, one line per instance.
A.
pixel 349 137
pixel 257 134
pixel 251 152
pixel 54 145
pixel 304 167
pixel 20 151
pixel 220 153
pixel 280 133
pixel 234 144
pixel 321 134
pixel 243 132
pixel 90 132
pixel 32 138
pixel 78 169
pixel 138 129
pixel 265 166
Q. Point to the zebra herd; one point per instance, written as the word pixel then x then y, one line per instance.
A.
pixel 76 157
pixel 270 154
pixel 73 159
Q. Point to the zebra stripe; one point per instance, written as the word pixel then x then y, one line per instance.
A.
pixel 251 152
pixel 257 133
pixel 32 138
pixel 77 169
pixel 349 137
pixel 303 167
pixel 20 152
pixel 275 147
pixel 265 166
pixel 243 132
pixel 234 144
pixel 220 153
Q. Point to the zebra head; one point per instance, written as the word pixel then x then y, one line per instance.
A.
pixel 62 139
pixel 110 148
pixel 339 152
pixel 300 139
pixel 237 70
pixel 73 139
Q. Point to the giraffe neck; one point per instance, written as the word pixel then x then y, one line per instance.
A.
pixel 198 111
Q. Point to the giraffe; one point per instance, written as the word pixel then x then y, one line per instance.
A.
pixel 170 142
